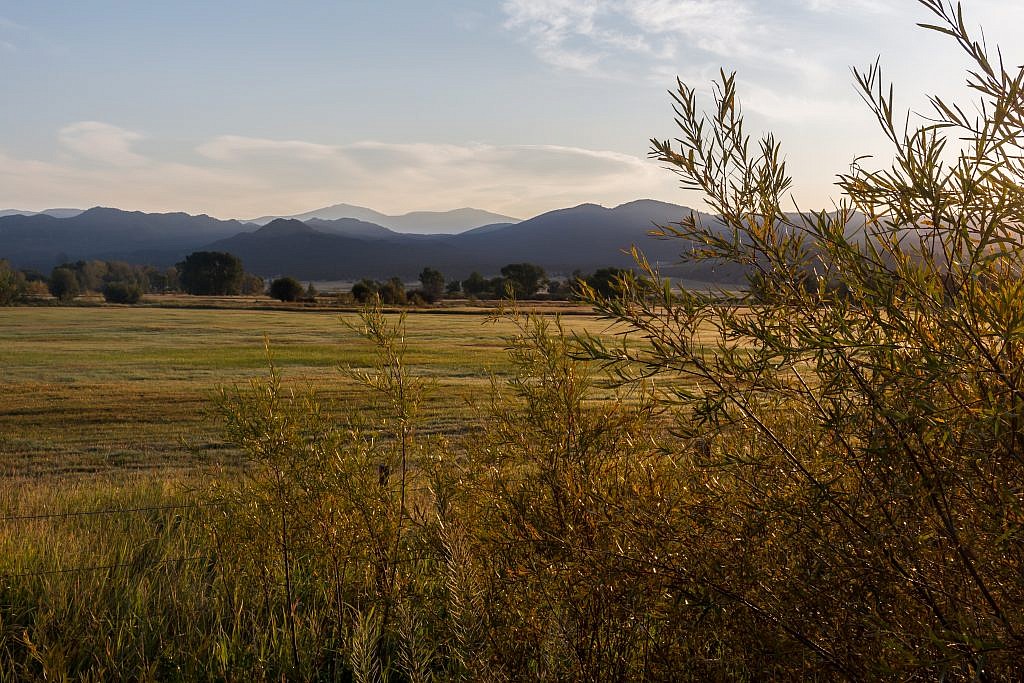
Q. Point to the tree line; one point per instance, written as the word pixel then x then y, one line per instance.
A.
pixel 517 281
pixel 211 273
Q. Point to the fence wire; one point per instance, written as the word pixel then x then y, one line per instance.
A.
pixel 7 575
pixel 104 567
pixel 109 511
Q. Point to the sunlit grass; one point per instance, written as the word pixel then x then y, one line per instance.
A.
pixel 104 389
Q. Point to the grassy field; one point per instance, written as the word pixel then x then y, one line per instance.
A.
pixel 108 389
pixel 549 535
pixel 107 438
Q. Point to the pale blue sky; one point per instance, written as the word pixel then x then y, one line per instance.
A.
pixel 242 108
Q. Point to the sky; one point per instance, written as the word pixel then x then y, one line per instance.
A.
pixel 241 108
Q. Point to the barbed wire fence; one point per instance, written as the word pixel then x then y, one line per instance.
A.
pixel 104 512
pixel 127 511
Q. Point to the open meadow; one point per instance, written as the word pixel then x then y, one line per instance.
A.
pixel 108 445
pixel 112 390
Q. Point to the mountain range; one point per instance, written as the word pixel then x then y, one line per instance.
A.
pixel 319 247
pixel 56 213
pixel 416 222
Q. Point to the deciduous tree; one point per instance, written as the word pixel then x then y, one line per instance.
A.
pixel 209 273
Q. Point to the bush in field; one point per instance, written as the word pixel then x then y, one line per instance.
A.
pixel 286 289
pixel 64 284
pixel 37 289
pixel 322 521
pixel 392 291
pixel 365 290
pixel 561 289
pixel 385 549
pixel 860 447
pixel 253 285
pixel 121 293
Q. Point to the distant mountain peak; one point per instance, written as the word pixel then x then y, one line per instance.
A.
pixel 645 203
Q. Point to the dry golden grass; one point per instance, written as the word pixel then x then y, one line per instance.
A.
pixel 108 389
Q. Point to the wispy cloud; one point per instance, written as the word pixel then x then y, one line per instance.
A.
pixel 656 39
pixel 238 148
pixel 239 176
pixel 591 35
pixel 858 7
pixel 101 142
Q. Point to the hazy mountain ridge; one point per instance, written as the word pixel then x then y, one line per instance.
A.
pixel 415 222
pixel 55 213
pixel 41 241
pixel 584 237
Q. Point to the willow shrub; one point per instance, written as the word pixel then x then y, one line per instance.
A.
pixel 864 399
pixel 840 496
pixel 534 548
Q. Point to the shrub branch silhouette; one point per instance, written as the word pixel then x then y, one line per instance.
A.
pixel 865 394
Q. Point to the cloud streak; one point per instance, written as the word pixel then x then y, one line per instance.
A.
pixel 239 176
pixel 589 35
pixel 656 39
pixel 101 142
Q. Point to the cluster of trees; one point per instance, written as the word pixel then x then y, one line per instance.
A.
pixel 119 282
pixel 518 280
pixel 526 280
pixel 392 291
pixel 201 273
pixel 522 280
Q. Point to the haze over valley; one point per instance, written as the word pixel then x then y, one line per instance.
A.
pixel 341 242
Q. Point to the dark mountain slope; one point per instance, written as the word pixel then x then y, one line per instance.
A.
pixel 41 241
pixel 588 237
pixel 585 237
pixel 352 227
pixel 315 255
